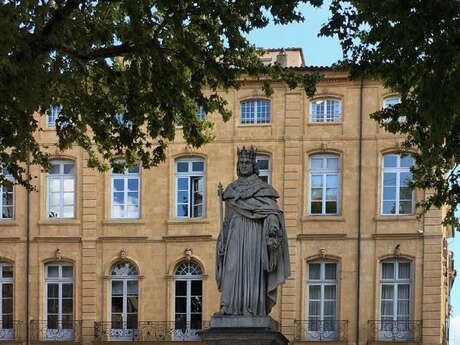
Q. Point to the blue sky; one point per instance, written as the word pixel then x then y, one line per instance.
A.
pixel 322 52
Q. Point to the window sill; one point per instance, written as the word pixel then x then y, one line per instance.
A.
pixel 322 219
pixel 10 222
pixel 123 221
pixel 59 222
pixel 178 221
pixel 243 125
pixel 395 218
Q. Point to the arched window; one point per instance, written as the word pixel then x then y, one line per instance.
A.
pixel 125 186
pixel 60 198
pixel 188 298
pixel 397 196
pixel 322 287
pixel 324 185
pixel 263 162
pixel 124 301
pixel 6 301
pixel 59 301
pixel 190 188
pixel 395 299
pixel 255 112
pixel 7 198
pixel 325 110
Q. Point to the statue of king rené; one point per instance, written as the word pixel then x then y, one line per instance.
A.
pixel 252 257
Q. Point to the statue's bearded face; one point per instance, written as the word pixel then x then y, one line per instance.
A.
pixel 245 167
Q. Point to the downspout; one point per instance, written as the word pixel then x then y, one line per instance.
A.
pixel 27 251
pixel 360 161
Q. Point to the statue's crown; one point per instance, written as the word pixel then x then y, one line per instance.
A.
pixel 243 153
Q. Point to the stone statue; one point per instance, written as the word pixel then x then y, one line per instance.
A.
pixel 252 257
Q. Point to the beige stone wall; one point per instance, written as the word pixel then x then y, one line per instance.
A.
pixel 156 241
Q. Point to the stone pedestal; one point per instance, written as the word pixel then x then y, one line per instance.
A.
pixel 243 330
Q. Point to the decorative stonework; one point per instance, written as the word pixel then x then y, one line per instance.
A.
pixel 322 253
pixel 58 255
pixel 188 253
pixel 122 254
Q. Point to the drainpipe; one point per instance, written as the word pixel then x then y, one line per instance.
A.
pixel 360 162
pixel 27 251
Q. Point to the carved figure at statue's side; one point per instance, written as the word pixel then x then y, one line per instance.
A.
pixel 252 257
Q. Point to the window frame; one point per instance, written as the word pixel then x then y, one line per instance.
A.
pixel 125 176
pixel 324 115
pixel 396 170
pixel 385 105
pixel 265 172
pixel 6 333
pixel 259 106
pixel 53 113
pixel 190 174
pixel 61 176
pixel 324 172
pixel 9 177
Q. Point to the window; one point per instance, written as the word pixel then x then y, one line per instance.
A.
pixel 59 301
pixel 325 110
pixel 397 196
pixel 6 301
pixel 188 292
pixel 322 300
pixel 324 185
pixel 121 121
pixel 61 190
pixel 390 102
pixel 395 299
pixel 201 113
pixel 190 188
pixel 7 199
pixel 263 162
pixel 255 112
pixel 52 116
pixel 124 301
pixel 125 186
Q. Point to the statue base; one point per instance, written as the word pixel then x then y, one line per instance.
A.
pixel 243 330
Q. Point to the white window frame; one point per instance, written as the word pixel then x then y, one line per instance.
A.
pixel 386 330
pixel 59 333
pixel 61 177
pixel 190 175
pixel 6 333
pixel 3 189
pixel 124 333
pixel 324 172
pixel 396 170
pixel 395 100
pixel 259 106
pixel 201 114
pixel 322 282
pixel 188 333
pixel 325 117
pixel 265 172
pixel 52 116
pixel 126 176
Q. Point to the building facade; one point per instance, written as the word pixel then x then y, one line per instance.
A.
pixel 129 255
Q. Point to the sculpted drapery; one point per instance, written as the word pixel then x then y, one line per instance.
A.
pixel 252 257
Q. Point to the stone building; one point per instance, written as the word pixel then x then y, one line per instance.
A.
pixel 129 255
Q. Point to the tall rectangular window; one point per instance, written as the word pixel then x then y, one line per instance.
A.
pixel 263 162
pixel 52 116
pixel 7 199
pixel 324 185
pixel 397 196
pixel 61 190
pixel 190 188
pixel 125 193
pixel 391 102
pixel 255 112
pixel 325 110
pixel 6 301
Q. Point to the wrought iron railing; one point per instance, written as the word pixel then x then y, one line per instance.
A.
pixel 395 330
pixel 149 331
pixel 68 330
pixel 12 330
pixel 321 330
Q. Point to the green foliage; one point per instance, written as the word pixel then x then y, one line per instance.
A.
pixel 147 60
pixel 413 47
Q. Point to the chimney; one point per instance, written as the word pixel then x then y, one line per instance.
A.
pixel 281 58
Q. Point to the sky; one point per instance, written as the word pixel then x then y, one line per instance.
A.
pixel 323 52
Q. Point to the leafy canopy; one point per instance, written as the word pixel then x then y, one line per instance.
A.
pixel 148 60
pixel 413 47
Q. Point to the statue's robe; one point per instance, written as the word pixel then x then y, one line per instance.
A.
pixel 248 269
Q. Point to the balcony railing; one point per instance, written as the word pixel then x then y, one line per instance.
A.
pixel 69 330
pixel 321 330
pixel 12 330
pixel 399 330
pixel 149 331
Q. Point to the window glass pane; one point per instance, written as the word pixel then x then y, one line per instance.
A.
pixel 134 169
pixel 69 185
pixel 182 166
pixel 403 308
pixel 117 304
pixel 182 210
pixel 405 193
pixel 132 305
pixel 68 198
pixel 133 198
pixel 133 184
pixel 7 290
pixel 197 166
pixel 117 211
pixel 69 168
pixel 132 287
pixel 390 161
pixel 118 198
pixel 387 308
pixel 331 194
pixel 132 211
pixel 196 303
pixel 389 207
pixel 314 271
pixel 403 291
pixel 67 271
pixel 131 321
pixel 53 271
pixel 182 183
pixel 67 290
pixel 405 178
pixel 404 270
pixel 182 197
pixel 54 168
pixel 67 305
pixel 181 304
pixel 330 271
pixel 316 163
pixel 67 212
pixel 389 193
pixel 118 185
pixel 331 207
pixel 195 321
pixel 316 207
pixel 53 305
pixel 316 180
pixel 55 185
pixel 7 271
pixel 181 288
pixel 196 287
pixel 405 207
pixel 262 163
pixel 314 308
pixel 264 178
pixel 52 321
pixel 7 212
pixel 7 305
pixel 117 287
pixel 407 162
pixel 329 308
pixel 331 181
pixel 329 292
pixel 333 163
pixel 389 179
pixel 388 270
pixel 117 321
